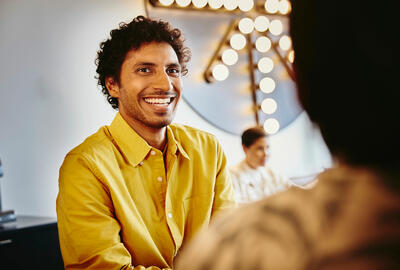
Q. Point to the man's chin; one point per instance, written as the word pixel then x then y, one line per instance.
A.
pixel 158 124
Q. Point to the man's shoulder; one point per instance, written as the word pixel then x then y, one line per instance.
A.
pixel 191 134
pixel 237 168
pixel 95 143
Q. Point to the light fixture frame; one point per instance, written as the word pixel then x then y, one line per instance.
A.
pixel 250 46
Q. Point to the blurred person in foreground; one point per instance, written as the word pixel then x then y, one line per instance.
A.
pixel 252 178
pixel 346 70
pixel 132 194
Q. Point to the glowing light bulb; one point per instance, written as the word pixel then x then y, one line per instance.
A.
pixel 183 3
pixel 265 65
pixel 230 4
pixel 272 6
pixel 261 23
pixel 276 27
pixel 246 25
pixel 230 57
pixel 284 7
pixel 166 2
pixel 271 126
pixel 238 41
pixel 285 43
pixel 269 106
pixel 215 4
pixel 291 56
pixel 267 85
pixel 199 3
pixel 220 72
pixel 246 5
pixel 263 44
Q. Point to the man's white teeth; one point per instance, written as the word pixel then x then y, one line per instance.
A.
pixel 158 100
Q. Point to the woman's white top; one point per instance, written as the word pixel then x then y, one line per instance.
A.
pixel 254 184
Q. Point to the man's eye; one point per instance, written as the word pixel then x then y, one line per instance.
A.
pixel 144 69
pixel 174 70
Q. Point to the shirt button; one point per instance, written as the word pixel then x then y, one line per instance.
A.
pixel 159 179
pixel 153 152
pixel 140 163
pixel 169 215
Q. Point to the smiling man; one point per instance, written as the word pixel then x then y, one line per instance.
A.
pixel 132 194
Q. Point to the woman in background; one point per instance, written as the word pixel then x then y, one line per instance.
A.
pixel 252 178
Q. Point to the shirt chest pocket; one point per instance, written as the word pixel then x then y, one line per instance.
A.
pixel 197 211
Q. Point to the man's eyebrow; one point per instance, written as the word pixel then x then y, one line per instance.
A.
pixel 144 64
pixel 174 65
pixel 153 64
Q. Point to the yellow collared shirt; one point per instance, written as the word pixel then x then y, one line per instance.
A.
pixel 118 207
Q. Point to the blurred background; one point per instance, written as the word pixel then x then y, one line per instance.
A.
pixel 50 101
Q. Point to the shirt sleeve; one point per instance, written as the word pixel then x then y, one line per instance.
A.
pixel 88 230
pixel 224 196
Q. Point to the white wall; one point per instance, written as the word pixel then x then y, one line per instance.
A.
pixel 50 101
pixel 49 97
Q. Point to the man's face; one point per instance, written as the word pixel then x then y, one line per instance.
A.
pixel 257 153
pixel 150 85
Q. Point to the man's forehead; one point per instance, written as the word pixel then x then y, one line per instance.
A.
pixel 153 52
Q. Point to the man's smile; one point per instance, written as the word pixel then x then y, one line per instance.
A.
pixel 162 101
pixel 159 103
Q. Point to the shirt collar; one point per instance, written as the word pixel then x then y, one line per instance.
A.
pixel 134 147
pixel 174 144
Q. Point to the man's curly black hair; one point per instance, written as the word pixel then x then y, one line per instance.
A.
pixel 130 36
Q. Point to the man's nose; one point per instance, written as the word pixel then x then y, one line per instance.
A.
pixel 163 82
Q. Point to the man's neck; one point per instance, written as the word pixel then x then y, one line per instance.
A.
pixel 252 166
pixel 155 137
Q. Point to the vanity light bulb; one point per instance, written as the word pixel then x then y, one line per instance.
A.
pixel 183 3
pixel 291 56
pixel 276 27
pixel 246 5
pixel 230 4
pixel 269 106
pixel 267 85
pixel 166 2
pixel 246 25
pixel 284 7
pixel 261 23
pixel 285 43
pixel 220 72
pixel 265 65
pixel 271 126
pixel 230 57
pixel 199 3
pixel 263 44
pixel 215 4
pixel 271 6
pixel 237 41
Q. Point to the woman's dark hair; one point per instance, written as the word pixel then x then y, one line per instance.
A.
pixel 249 136
pixel 130 36
pixel 345 66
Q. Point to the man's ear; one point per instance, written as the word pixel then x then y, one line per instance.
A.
pixel 112 87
